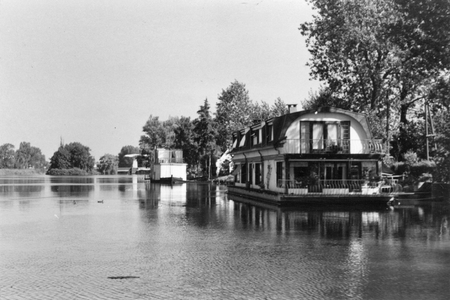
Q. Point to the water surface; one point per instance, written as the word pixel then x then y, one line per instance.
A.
pixel 114 237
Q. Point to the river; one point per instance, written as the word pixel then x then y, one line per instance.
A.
pixel 119 237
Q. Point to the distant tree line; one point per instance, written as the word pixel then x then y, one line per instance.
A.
pixel 26 157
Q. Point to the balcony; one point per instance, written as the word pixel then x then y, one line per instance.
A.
pixel 338 146
pixel 339 187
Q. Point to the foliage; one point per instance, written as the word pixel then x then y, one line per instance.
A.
pixel 7 156
pixel 442 156
pixel 380 55
pixel 21 172
pixel 67 172
pixel 154 134
pixel 73 155
pixel 184 139
pixel 108 164
pixel 233 112
pixel 205 135
pixel 127 161
pixel 26 157
pixel 324 98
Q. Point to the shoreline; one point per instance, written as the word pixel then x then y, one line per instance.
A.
pixel 20 172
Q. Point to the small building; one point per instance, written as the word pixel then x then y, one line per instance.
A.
pixel 328 152
pixel 168 166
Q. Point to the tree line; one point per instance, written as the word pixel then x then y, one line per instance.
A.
pixel 25 157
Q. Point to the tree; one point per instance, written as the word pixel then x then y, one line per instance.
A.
pixel 7 156
pixel 442 156
pixel 80 156
pixel 23 155
pixel 233 112
pixel 184 139
pixel 205 134
pixel 279 108
pixel 60 159
pixel 127 161
pixel 154 134
pixel 73 155
pixel 108 164
pixel 379 55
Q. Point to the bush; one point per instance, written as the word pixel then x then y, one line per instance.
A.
pixel 400 167
pixel 421 167
pixel 67 172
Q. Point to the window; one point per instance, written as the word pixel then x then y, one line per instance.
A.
pixel 244 173
pixel 325 136
pixel 256 136
pixel 269 133
pixel 279 173
pixel 257 173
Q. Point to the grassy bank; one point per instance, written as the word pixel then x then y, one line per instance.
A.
pixel 20 172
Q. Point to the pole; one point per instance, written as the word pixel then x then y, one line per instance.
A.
pixel 426 129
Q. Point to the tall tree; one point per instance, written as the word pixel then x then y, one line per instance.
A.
pixel 233 111
pixel 205 134
pixel 184 139
pixel 154 134
pixel 73 155
pixel 7 156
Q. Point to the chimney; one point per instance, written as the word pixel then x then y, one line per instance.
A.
pixel 292 108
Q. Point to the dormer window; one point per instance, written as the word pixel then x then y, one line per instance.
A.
pixel 269 133
pixel 256 136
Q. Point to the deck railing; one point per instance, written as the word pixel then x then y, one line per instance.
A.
pixel 177 160
pixel 340 146
pixel 339 187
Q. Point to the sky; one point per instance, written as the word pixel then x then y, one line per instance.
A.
pixel 93 71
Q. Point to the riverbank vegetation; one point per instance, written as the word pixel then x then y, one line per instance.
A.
pixel 72 159
pixel 27 159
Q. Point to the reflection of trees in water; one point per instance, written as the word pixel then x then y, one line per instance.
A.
pixel 73 180
pixel 68 190
pixel 207 205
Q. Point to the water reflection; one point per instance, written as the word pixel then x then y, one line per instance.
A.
pixel 192 241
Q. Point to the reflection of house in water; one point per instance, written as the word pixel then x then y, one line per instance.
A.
pixel 303 155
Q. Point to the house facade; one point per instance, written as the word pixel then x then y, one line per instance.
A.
pixel 168 165
pixel 328 151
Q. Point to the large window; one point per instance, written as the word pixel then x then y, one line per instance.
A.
pixel 321 136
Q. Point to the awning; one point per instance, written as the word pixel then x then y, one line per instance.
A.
pixel 236 171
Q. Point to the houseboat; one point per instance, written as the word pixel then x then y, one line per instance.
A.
pixel 303 157
pixel 168 166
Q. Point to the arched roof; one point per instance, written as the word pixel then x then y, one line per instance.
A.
pixel 282 123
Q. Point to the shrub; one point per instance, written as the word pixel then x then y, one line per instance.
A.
pixel 67 172
pixel 421 167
